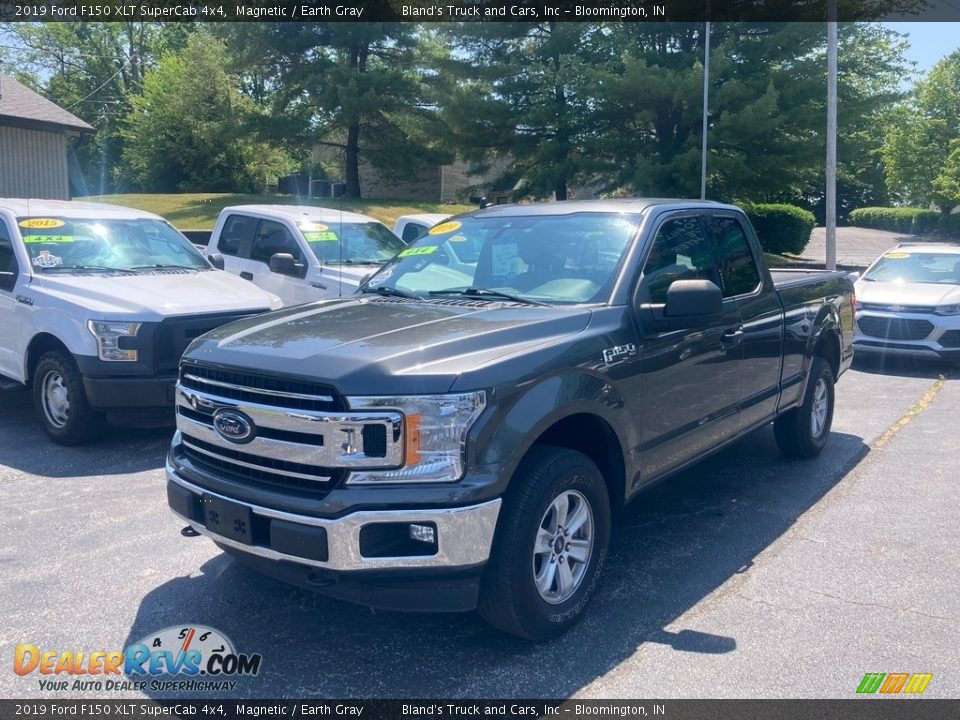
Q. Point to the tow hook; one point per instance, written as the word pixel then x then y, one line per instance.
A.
pixel 188 531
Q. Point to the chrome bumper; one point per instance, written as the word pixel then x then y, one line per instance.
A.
pixel 464 534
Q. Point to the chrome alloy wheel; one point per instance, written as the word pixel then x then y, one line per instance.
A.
pixel 819 408
pixel 55 399
pixel 563 546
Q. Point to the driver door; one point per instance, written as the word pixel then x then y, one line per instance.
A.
pixel 273 237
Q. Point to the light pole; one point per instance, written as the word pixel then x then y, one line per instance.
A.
pixel 706 95
pixel 831 174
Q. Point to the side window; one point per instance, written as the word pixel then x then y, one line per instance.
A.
pixel 236 229
pixel 738 268
pixel 9 269
pixel 271 238
pixel 411 231
pixel 681 251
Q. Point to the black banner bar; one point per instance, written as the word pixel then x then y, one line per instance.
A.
pixel 863 708
pixel 480 10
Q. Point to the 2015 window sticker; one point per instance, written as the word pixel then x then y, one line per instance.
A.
pixel 41 223
pixel 444 228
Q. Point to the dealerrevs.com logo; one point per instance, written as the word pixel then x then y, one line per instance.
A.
pixel 200 658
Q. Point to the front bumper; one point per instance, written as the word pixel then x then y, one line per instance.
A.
pixel 110 393
pixel 301 548
pixel 908 334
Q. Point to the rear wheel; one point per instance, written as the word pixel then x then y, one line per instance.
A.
pixel 803 431
pixel 550 546
pixel 61 402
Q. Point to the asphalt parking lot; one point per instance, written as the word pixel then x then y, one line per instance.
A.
pixel 748 576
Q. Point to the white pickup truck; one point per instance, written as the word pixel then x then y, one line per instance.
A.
pixel 97 303
pixel 300 253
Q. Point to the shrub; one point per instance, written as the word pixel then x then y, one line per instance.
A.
pixel 949 226
pixel 916 221
pixel 781 228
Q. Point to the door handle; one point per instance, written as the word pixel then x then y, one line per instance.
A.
pixel 247 275
pixel 732 337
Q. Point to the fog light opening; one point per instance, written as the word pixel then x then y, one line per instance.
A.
pixel 423 533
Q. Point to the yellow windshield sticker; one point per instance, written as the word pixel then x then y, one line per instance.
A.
pixel 897 255
pixel 444 228
pixel 419 250
pixel 50 238
pixel 320 236
pixel 458 238
pixel 313 227
pixel 41 223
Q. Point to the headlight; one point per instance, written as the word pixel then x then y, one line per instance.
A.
pixel 108 336
pixel 948 310
pixel 435 428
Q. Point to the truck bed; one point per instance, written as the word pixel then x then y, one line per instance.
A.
pixel 788 277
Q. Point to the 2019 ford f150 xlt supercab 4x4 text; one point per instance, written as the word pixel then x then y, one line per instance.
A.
pixel 459 434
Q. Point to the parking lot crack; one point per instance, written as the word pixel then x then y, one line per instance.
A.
pixel 862 603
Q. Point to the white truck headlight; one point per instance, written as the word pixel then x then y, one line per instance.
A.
pixel 108 336
pixel 435 428
pixel 948 310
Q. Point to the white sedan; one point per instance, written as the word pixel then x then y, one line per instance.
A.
pixel 908 302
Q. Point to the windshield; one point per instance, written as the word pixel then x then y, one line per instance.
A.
pixel 65 245
pixel 540 259
pixel 913 267
pixel 353 243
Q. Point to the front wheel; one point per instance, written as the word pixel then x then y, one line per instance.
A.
pixel 803 431
pixel 550 546
pixel 61 402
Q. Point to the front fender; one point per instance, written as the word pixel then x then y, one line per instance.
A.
pixel 525 415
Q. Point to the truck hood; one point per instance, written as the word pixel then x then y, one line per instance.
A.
pixel 888 293
pixel 382 346
pixel 152 297
pixel 347 277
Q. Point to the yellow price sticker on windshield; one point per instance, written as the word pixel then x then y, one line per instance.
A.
pixel 444 228
pixel 897 255
pixel 41 223
pixel 420 250
pixel 313 227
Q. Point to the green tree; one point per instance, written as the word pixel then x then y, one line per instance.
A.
pixel 921 149
pixel 362 88
pixel 186 131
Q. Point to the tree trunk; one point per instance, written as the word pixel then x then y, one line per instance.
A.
pixel 352 161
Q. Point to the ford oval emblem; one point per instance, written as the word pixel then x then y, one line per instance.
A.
pixel 234 426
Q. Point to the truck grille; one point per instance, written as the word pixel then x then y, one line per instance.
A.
pixel 174 334
pixel 892 328
pixel 950 339
pixel 292 433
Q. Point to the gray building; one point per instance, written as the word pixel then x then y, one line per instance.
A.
pixel 33 143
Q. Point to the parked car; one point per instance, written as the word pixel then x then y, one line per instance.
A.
pixel 410 227
pixel 97 302
pixel 909 302
pixel 459 434
pixel 301 253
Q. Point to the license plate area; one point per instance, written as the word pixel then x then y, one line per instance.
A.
pixel 228 519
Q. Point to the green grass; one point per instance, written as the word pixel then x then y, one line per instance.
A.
pixel 198 211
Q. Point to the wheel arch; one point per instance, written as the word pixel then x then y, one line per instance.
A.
pixel 40 344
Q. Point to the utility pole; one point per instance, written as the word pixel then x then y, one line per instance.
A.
pixel 706 96
pixel 831 175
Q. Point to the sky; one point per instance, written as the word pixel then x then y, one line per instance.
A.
pixel 929 41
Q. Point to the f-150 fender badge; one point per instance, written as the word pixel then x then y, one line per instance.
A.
pixel 619 352
pixel 318 285
pixel 24 299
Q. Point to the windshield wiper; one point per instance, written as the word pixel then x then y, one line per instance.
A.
pixel 89 268
pixel 164 266
pixel 487 292
pixel 390 291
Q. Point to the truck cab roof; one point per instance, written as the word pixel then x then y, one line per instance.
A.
pixel 618 205
pixel 301 213
pixel 22 207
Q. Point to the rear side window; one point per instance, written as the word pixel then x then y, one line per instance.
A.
pixel 271 238
pixel 8 261
pixel 681 251
pixel 738 269
pixel 236 230
pixel 412 231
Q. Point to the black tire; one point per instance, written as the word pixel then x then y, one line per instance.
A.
pixel 795 431
pixel 75 423
pixel 509 596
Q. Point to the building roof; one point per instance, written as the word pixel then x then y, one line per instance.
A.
pixel 21 106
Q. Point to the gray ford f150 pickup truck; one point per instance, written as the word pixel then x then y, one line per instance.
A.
pixel 459 434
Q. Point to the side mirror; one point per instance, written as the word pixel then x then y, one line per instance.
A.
pixel 216 259
pixel 284 264
pixel 690 304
